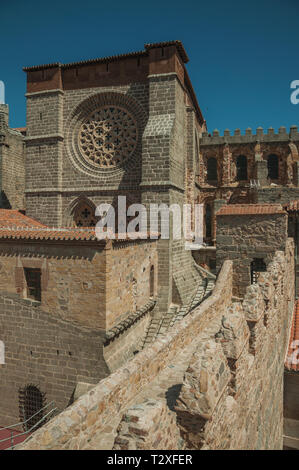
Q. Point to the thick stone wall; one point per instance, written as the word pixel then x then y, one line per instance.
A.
pixel 128 270
pixel 243 238
pixel 69 273
pixel 279 194
pixel 239 401
pixel 231 394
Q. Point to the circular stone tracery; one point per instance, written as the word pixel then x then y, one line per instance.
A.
pixel 108 136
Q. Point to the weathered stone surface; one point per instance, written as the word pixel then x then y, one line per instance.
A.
pixel 228 393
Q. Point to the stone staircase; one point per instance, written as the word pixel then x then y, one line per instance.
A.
pixel 159 326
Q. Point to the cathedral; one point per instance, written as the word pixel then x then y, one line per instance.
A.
pixel 75 309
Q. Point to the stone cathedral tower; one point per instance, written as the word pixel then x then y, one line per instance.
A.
pixel 125 125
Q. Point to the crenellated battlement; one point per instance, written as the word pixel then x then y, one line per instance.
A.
pixel 249 137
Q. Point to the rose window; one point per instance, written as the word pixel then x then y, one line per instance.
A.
pixel 108 137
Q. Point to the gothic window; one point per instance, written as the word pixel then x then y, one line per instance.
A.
pixel 273 167
pixel 152 281
pixel 212 169
pixel 256 267
pixel 241 164
pixel 208 221
pixel 108 136
pixel 33 283
pixel 85 216
pixel 31 402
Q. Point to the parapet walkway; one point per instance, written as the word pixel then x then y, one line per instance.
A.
pixel 165 387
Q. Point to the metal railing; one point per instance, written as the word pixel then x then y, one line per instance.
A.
pixel 23 424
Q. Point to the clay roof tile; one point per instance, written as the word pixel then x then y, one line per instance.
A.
pixel 250 209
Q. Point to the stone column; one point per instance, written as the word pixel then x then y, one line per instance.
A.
pixel 262 172
pixel 261 166
pixel 226 172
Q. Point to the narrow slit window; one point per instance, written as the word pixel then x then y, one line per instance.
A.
pixel 241 164
pixel 273 171
pixel 212 169
pixel 33 283
pixel 152 281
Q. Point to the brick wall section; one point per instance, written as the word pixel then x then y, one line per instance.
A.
pixel 128 278
pixel 114 277
pixel 70 272
pixel 47 352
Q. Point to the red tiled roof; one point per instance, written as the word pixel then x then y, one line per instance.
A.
pixel 292 359
pixel 14 219
pixel 46 233
pixel 178 45
pixel 16 226
pixel 250 209
pixel 20 129
pixel 292 206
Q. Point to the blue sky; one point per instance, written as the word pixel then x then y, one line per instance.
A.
pixel 243 54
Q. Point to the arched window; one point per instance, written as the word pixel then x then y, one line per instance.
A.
pixel 257 266
pixel 212 169
pixel 273 171
pixel 31 402
pixel 152 281
pixel 241 164
pixel 84 216
pixel 208 221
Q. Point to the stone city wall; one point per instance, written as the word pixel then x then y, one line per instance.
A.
pixel 83 424
pixel 231 393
